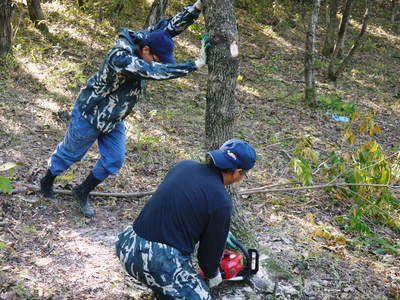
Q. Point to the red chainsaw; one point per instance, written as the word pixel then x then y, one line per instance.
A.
pixel 235 266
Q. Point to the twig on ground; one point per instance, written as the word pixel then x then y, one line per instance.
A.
pixel 319 167
pixel 67 192
pixel 315 187
pixel 274 185
pixel 286 153
pixel 12 233
pixel 275 289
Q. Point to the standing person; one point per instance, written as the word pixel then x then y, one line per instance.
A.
pixel 110 95
pixel 191 205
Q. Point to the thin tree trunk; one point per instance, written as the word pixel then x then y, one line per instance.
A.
pixel 157 11
pixel 395 25
pixel 341 45
pixel 357 43
pixel 340 39
pixel 5 26
pixel 36 14
pixel 309 68
pixel 394 11
pixel 333 23
pixel 223 63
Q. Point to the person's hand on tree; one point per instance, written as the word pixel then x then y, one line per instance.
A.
pixel 198 4
pixel 205 46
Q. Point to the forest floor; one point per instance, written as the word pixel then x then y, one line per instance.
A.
pixel 50 251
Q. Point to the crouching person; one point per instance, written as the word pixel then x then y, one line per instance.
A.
pixel 190 206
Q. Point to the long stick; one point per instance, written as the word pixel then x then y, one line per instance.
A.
pixel 67 192
pixel 316 187
pixel 263 189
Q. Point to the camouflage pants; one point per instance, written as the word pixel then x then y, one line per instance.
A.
pixel 162 268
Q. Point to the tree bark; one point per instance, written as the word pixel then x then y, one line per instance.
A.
pixel 394 11
pixel 223 69
pixel 309 68
pixel 340 39
pixel 36 14
pixel 333 23
pixel 223 63
pixel 5 26
pixel 357 42
pixel 157 11
pixel 395 26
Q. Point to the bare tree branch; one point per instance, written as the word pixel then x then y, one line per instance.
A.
pixel 263 189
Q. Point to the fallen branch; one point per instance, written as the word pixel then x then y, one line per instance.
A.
pixel 67 192
pixel 12 233
pixel 263 189
pixel 315 187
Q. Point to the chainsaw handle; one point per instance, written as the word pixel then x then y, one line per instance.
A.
pixel 251 256
pixel 254 256
pixel 248 270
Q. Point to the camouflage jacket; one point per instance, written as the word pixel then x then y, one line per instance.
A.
pixel 112 92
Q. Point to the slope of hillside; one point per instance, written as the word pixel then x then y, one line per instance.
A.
pixel 51 252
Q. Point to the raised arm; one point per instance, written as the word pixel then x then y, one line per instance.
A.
pixel 132 66
pixel 178 23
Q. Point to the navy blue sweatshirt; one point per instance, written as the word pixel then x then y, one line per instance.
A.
pixel 191 205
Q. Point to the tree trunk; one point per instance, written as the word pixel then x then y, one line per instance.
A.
pixel 394 15
pixel 394 11
pixel 333 22
pixel 340 39
pixel 357 42
pixel 309 69
pixel 36 14
pixel 157 11
pixel 223 63
pixel 5 26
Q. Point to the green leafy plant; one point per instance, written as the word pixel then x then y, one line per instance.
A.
pixel 5 182
pixel 384 246
pixel 364 173
pixel 332 103
pixel 303 158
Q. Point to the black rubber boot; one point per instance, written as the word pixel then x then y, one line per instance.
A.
pixel 81 193
pixel 46 187
pixel 158 296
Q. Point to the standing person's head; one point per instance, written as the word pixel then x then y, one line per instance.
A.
pixel 234 158
pixel 158 46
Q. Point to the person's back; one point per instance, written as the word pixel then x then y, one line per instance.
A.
pixel 191 199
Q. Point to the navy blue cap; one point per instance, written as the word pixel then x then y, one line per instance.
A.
pixel 162 45
pixel 234 154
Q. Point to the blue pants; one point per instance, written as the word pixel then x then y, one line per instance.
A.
pixel 78 139
pixel 161 267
